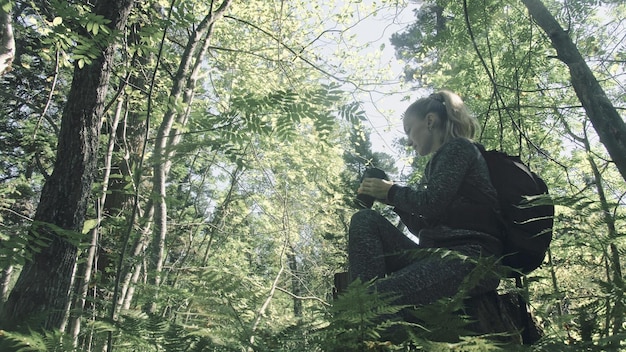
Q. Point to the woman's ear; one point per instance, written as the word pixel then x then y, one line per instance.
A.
pixel 431 120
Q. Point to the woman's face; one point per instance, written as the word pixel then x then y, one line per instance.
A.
pixel 420 137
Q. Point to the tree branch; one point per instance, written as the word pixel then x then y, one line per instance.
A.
pixel 605 119
pixel 313 298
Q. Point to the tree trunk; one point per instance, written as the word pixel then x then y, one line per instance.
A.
pixel 607 122
pixel 130 137
pixel 43 287
pixel 168 137
pixel 296 284
pixel 220 217
pixel 129 286
pixel 5 279
pixel 613 251
pixel 7 42
pixel 131 273
pixel 87 267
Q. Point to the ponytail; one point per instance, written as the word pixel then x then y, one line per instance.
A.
pixel 458 121
pixel 454 116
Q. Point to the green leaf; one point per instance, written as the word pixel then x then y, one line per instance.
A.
pixel 7 6
pixel 89 225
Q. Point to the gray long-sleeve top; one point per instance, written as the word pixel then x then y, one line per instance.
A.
pixel 439 212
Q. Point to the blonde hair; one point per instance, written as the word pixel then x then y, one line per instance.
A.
pixel 453 114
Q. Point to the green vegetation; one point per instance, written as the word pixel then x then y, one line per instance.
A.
pixel 181 178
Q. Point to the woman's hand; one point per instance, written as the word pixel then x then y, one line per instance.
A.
pixel 375 187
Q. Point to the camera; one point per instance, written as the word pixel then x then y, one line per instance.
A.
pixel 365 201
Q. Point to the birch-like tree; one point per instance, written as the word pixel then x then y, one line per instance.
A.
pixel 195 87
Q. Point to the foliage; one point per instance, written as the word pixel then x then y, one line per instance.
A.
pixel 360 320
pixel 363 319
pixel 53 341
pixel 266 148
pixel 503 66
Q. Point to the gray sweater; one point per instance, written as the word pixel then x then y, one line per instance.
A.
pixel 438 210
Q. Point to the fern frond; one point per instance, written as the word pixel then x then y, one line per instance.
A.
pixel 47 341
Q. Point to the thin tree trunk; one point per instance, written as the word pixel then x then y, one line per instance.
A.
pixel 555 285
pixel 286 229
pixel 606 121
pixel 131 276
pixel 44 284
pixel 217 222
pixel 296 284
pixel 130 139
pixel 87 267
pixel 68 303
pixel 168 137
pixel 7 42
pixel 613 264
pixel 131 136
pixel 130 286
pixel 5 280
pixel 180 262
pixel 127 273
pixel 613 253
pixel 261 313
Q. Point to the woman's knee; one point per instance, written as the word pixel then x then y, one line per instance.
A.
pixel 365 216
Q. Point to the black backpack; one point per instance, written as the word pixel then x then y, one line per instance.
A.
pixel 526 212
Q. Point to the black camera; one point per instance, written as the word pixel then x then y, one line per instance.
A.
pixel 366 201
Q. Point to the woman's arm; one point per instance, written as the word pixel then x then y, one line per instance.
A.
pixel 443 178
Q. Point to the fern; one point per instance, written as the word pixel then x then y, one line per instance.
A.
pixel 466 343
pixel 362 319
pixel 49 341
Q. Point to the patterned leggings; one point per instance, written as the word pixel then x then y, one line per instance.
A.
pixel 377 249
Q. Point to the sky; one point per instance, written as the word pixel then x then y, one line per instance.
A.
pixel 385 106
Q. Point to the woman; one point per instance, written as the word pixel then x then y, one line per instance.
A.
pixel 437 212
